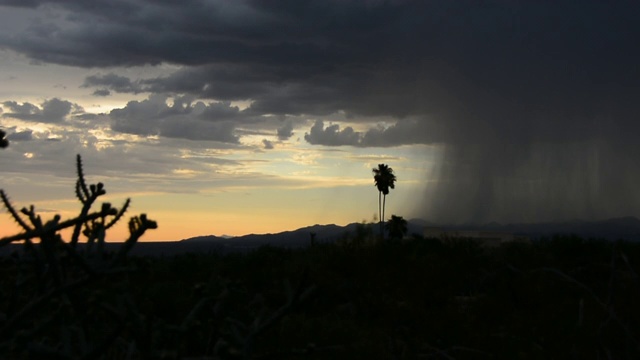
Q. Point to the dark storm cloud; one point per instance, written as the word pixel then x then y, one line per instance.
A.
pixel 21 3
pixel 217 81
pixel 51 111
pixel 364 58
pixel 287 57
pixel 534 103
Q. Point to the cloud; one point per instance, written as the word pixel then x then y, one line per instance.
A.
pixel 182 119
pixel 397 59
pixel 268 145
pixel 403 132
pixel 55 110
pixel 332 135
pixel 285 131
pixel 112 82
pixel 22 3
pixel 25 135
pixel 150 165
pixel 102 92
pixel 221 111
pixel 50 111
pixel 21 109
pixel 375 158
pixel 228 81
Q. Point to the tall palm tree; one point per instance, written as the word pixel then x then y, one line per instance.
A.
pixel 397 227
pixel 383 179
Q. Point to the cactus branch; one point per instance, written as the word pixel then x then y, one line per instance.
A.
pixel 13 212
pixel 37 233
pixel 79 193
pixel 138 225
pixel 36 221
pixel 119 215
pixel 82 185
pixel 87 197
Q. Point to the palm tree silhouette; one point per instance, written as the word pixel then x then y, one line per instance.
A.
pixel 383 179
pixel 397 227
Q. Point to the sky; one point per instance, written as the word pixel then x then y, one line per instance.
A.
pixel 256 116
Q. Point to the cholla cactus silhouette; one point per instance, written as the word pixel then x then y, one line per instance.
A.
pixel 95 223
pixel 44 309
pixel 94 230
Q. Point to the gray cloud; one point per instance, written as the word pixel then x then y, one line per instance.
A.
pixel 268 145
pixel 403 132
pixel 21 109
pixel 25 135
pixel 179 120
pixel 221 111
pixel 55 110
pixel 50 111
pixel 286 130
pixel 22 3
pixel 148 166
pixel 102 92
pixel 332 135
pixel 216 81
pixel 113 82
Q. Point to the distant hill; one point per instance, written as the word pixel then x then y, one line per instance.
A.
pixel 295 238
pixel 299 237
pixel 627 228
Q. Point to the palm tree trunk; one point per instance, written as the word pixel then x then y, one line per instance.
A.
pixel 380 210
pixel 384 201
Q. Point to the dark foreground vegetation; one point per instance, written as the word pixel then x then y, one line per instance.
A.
pixel 564 298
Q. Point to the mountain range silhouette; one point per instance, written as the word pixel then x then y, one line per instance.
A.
pixel 626 228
